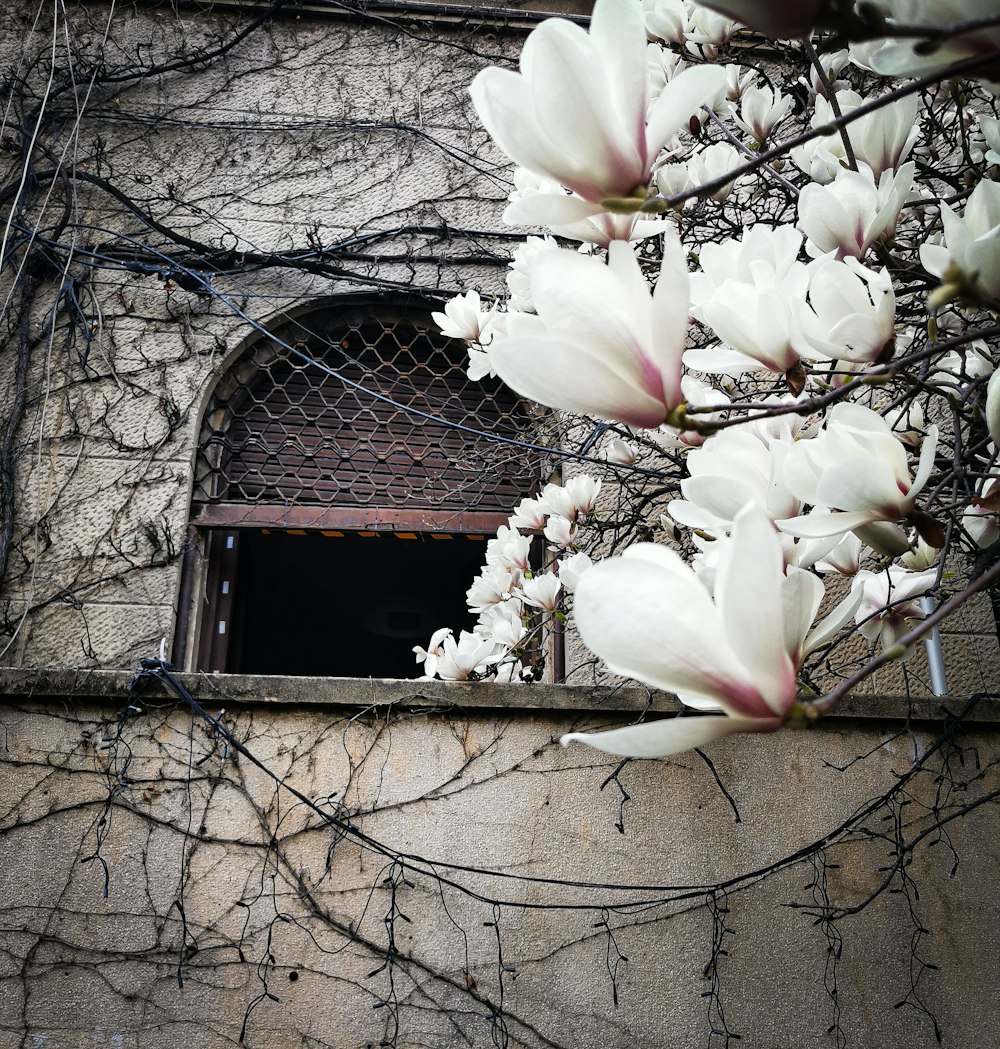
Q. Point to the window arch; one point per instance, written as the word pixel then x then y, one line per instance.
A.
pixel 337 489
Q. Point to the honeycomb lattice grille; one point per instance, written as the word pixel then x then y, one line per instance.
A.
pixel 279 429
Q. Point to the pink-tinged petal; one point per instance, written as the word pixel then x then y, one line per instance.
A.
pixel 569 88
pixel 926 462
pixel 549 209
pixel 670 317
pixel 661 627
pixel 748 595
pixel 861 484
pixel 816 526
pixel 565 375
pixel 883 537
pixel 801 594
pixel 658 739
pixel 503 101
pixel 682 96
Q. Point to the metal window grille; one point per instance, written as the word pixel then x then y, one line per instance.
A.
pixel 279 431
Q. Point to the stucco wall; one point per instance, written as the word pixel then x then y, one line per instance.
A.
pixel 456 798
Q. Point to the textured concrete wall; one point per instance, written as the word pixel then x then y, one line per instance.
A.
pixel 224 888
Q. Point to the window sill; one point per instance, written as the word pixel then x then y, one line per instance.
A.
pixel 246 689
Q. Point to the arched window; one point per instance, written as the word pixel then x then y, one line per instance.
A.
pixel 341 496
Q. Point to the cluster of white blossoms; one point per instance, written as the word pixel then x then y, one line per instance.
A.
pixel 791 365
pixel 533 560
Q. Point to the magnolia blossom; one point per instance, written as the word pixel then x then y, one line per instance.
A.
pixel 576 112
pixel 529 516
pixel 559 533
pixel 882 139
pixel 851 312
pixel 649 617
pixel 510 549
pixel 761 110
pixel 601 343
pixel 981 520
pixel 730 471
pixel 541 591
pixel 519 275
pixel 857 466
pixel 493 585
pixel 968 262
pixel 463 317
pixel 571 568
pixel 453 660
pixel 572 500
pixel 620 452
pixel 666 20
pixel 712 162
pixel 777 247
pixel 853 211
pixel 887 610
pixel 755 319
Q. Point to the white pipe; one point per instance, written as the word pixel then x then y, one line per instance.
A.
pixel 935 656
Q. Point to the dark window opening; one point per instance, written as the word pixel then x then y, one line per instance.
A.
pixel 307 604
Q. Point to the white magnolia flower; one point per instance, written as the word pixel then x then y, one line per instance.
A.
pixel 559 533
pixel 853 211
pixel 649 617
pixel 571 568
pixel 619 451
pixel 882 139
pixel 738 260
pixel 493 585
pixel 968 262
pixel 430 655
pixel 602 344
pixel 470 655
pixel 666 20
pixel 463 317
pixel 851 313
pixel 529 516
pixel 576 112
pixel 754 318
pixel 713 162
pixel 542 591
pixel 733 469
pixel 857 466
pixel 845 558
pixel 510 549
pixel 761 110
pixel 572 500
pixel 992 407
pixel 502 624
pixel 887 610
pixel 519 275
pixel 982 519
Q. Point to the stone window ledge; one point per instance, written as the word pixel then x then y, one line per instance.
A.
pixel 213 690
